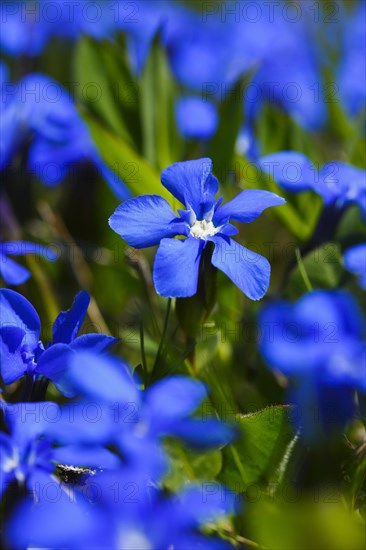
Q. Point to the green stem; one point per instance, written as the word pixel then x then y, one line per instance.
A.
pixel 302 270
pixel 163 336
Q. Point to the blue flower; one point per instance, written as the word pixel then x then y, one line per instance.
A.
pixel 140 419
pixel 318 343
pixel 352 90
pixel 29 29
pixel 40 110
pixel 21 350
pixel 148 220
pixel 196 119
pixel 10 271
pixel 123 512
pixel 338 183
pixel 355 262
pixel 28 452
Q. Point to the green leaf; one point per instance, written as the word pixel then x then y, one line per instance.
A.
pixel 323 267
pixel 161 142
pixel 97 88
pixel 136 172
pixel 231 113
pixel 261 450
pixel 187 465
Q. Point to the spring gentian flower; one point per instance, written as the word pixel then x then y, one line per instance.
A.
pixel 28 29
pixel 353 62
pixel 338 183
pixel 127 514
pixel 196 119
pixel 148 220
pixel 21 350
pixel 141 418
pixel 10 271
pixel 355 262
pixel 28 453
pixel 40 110
pixel 318 344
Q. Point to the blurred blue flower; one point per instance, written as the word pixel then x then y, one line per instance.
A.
pixel 39 110
pixel 10 271
pixel 140 419
pixel 352 88
pixel 21 350
pixel 196 119
pixel 318 343
pixel 355 262
pixel 4 73
pixel 148 220
pixel 125 513
pixel 30 26
pixel 338 183
pixel 28 454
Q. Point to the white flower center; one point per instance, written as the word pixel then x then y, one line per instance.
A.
pixel 202 229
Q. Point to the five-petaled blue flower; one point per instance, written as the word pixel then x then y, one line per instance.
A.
pixel 10 271
pixel 149 220
pixel 22 352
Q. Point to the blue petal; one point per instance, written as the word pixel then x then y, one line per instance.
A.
pixel 101 377
pixel 196 118
pixel 342 182
pixel 176 267
pixel 293 171
pixel 355 261
pixel 54 364
pixel 302 337
pixel 88 456
pixel 174 397
pixel 193 184
pixel 68 323
pixel 12 272
pixel 204 434
pixel 93 342
pixel 12 365
pixel 206 503
pixel 247 206
pixel 21 248
pixel 80 526
pixel 248 270
pixel 16 311
pixel 144 221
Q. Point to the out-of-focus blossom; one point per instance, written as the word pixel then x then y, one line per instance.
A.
pixel 318 344
pixel 338 183
pixel 352 89
pixel 126 514
pixel 140 419
pixel 355 262
pixel 37 110
pixel 28 453
pixel 29 26
pixel 196 119
pixel 10 271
